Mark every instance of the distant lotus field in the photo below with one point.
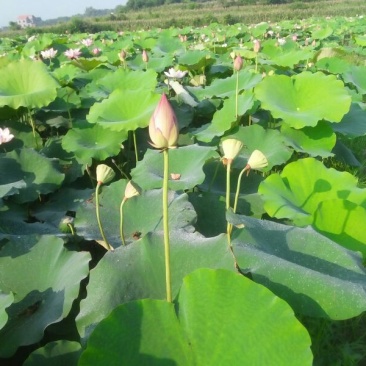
(190, 196)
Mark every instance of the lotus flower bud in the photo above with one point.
(145, 56)
(104, 174)
(257, 160)
(163, 126)
(131, 190)
(257, 45)
(122, 55)
(231, 148)
(238, 63)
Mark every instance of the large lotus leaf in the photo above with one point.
(316, 276)
(136, 222)
(138, 271)
(28, 84)
(334, 65)
(353, 124)
(224, 119)
(220, 318)
(223, 88)
(130, 80)
(287, 55)
(38, 172)
(296, 99)
(92, 141)
(322, 32)
(44, 278)
(6, 299)
(361, 40)
(315, 141)
(124, 110)
(187, 161)
(356, 75)
(346, 227)
(168, 44)
(196, 60)
(57, 353)
(297, 192)
(12, 181)
(158, 64)
(270, 142)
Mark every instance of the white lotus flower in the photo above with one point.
(175, 74)
(87, 42)
(49, 54)
(5, 135)
(72, 54)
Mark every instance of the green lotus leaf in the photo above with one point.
(287, 55)
(315, 141)
(92, 141)
(27, 84)
(196, 60)
(223, 88)
(124, 110)
(270, 142)
(316, 276)
(297, 192)
(38, 172)
(168, 44)
(224, 119)
(45, 279)
(360, 40)
(57, 353)
(296, 99)
(334, 65)
(346, 227)
(129, 80)
(138, 271)
(12, 181)
(255, 326)
(158, 64)
(353, 124)
(322, 32)
(6, 299)
(187, 161)
(356, 76)
(135, 219)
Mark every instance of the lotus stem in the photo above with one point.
(228, 226)
(121, 221)
(238, 188)
(236, 96)
(135, 146)
(106, 244)
(166, 227)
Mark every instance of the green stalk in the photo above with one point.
(236, 96)
(228, 226)
(107, 245)
(121, 221)
(166, 227)
(135, 146)
(238, 189)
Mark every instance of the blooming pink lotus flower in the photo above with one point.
(163, 126)
(87, 42)
(96, 51)
(73, 54)
(5, 135)
(49, 54)
(175, 74)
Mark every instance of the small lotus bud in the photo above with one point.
(65, 224)
(163, 126)
(257, 45)
(238, 63)
(104, 174)
(132, 189)
(122, 55)
(231, 148)
(257, 160)
(145, 56)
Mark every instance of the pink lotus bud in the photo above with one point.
(122, 55)
(96, 51)
(5, 135)
(257, 45)
(238, 63)
(145, 56)
(163, 126)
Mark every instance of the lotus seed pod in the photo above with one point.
(257, 160)
(104, 174)
(132, 189)
(231, 148)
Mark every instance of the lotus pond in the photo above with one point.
(239, 240)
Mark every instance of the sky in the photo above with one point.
(50, 9)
